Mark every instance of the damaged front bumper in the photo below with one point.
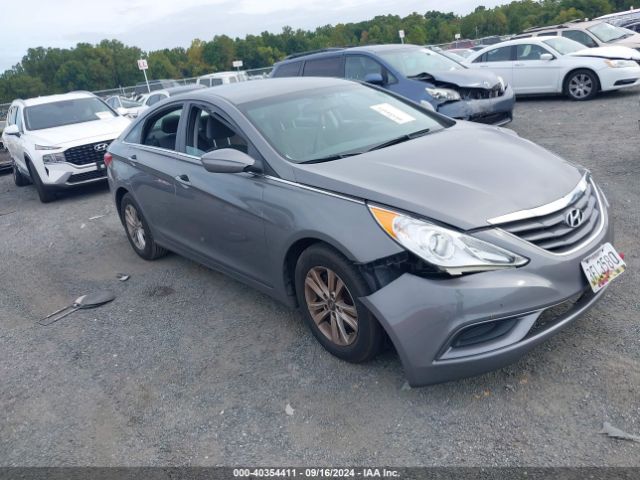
(495, 111)
(452, 327)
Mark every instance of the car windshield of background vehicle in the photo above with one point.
(330, 123)
(67, 112)
(564, 46)
(608, 33)
(418, 61)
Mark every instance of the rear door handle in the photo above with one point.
(133, 157)
(183, 179)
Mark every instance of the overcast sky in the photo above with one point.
(154, 24)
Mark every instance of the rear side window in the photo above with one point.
(161, 130)
(291, 69)
(324, 67)
(502, 54)
(580, 37)
(552, 33)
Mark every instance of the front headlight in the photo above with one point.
(443, 94)
(447, 249)
(54, 158)
(620, 63)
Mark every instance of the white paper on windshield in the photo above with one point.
(103, 115)
(393, 113)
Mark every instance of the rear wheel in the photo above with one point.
(581, 85)
(138, 231)
(45, 192)
(328, 287)
(18, 178)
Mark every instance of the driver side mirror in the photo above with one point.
(374, 79)
(547, 57)
(227, 160)
(12, 130)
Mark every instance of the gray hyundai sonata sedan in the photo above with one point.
(462, 245)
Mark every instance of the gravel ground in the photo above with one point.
(188, 367)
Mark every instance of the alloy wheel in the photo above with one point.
(331, 306)
(135, 227)
(580, 86)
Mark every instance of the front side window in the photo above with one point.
(580, 37)
(323, 67)
(207, 132)
(331, 122)
(357, 67)
(414, 62)
(529, 52)
(161, 130)
(66, 112)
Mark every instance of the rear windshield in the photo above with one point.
(66, 112)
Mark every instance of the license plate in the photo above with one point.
(602, 266)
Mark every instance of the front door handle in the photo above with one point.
(133, 157)
(183, 179)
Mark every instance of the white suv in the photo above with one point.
(59, 141)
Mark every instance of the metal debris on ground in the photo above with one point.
(91, 300)
(96, 217)
(123, 277)
(613, 432)
(289, 410)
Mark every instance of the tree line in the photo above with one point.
(110, 63)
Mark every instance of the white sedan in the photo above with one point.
(559, 65)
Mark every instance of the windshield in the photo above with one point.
(66, 112)
(330, 122)
(563, 45)
(607, 32)
(412, 62)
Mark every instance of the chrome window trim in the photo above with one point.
(582, 244)
(547, 209)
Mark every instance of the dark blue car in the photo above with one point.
(417, 73)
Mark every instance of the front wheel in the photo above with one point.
(581, 85)
(328, 287)
(45, 192)
(18, 178)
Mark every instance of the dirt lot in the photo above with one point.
(189, 367)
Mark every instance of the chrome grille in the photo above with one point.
(85, 154)
(551, 232)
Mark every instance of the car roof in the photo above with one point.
(243, 92)
(55, 98)
(562, 26)
(178, 90)
(333, 51)
(222, 74)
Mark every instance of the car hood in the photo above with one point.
(466, 78)
(461, 176)
(613, 52)
(87, 132)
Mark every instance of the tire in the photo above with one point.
(339, 321)
(18, 178)
(137, 230)
(45, 193)
(581, 85)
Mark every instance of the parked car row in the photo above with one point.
(479, 244)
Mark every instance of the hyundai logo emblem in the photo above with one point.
(574, 218)
(101, 147)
